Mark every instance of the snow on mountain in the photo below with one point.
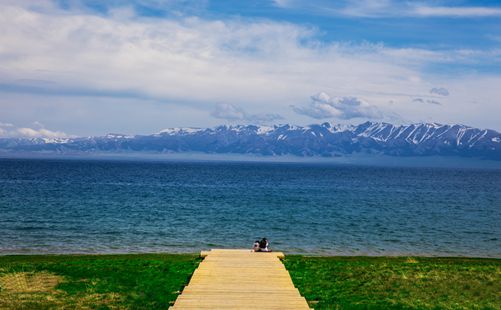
(55, 140)
(179, 131)
(118, 136)
(422, 139)
(263, 130)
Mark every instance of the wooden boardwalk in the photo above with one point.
(240, 279)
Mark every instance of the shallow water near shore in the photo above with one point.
(77, 206)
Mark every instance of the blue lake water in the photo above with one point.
(72, 206)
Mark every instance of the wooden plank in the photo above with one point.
(240, 279)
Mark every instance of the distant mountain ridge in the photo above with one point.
(328, 140)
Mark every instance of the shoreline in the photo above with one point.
(355, 160)
(307, 255)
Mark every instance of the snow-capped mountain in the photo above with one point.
(325, 139)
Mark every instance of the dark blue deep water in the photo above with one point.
(70, 206)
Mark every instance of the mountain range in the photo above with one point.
(326, 140)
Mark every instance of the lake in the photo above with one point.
(94, 206)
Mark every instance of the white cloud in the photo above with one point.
(368, 8)
(395, 8)
(166, 58)
(324, 106)
(282, 3)
(40, 133)
(441, 91)
(494, 38)
(187, 65)
(230, 112)
(450, 11)
(422, 100)
(6, 125)
(8, 130)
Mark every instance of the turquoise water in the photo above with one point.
(70, 206)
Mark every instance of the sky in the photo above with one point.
(90, 67)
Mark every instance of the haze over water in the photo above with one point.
(71, 206)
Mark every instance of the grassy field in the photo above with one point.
(153, 281)
(397, 282)
(144, 281)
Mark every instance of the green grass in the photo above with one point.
(142, 281)
(397, 282)
(153, 281)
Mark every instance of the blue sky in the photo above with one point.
(88, 67)
(393, 29)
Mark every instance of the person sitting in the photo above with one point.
(264, 245)
(255, 247)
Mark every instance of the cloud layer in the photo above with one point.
(97, 68)
(323, 106)
(8, 130)
(232, 113)
(439, 91)
(422, 100)
(393, 8)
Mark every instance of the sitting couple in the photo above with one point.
(261, 246)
